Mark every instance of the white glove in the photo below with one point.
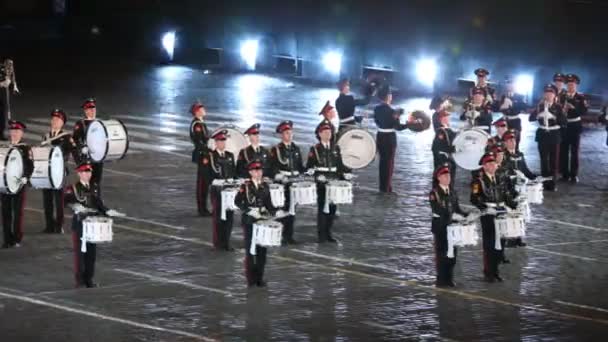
(84, 150)
(217, 182)
(23, 180)
(5, 83)
(279, 177)
(507, 104)
(348, 176)
(255, 213)
(310, 172)
(490, 211)
(457, 217)
(280, 213)
(508, 209)
(321, 179)
(114, 213)
(78, 208)
(16, 90)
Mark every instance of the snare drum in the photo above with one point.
(534, 193)
(107, 140)
(460, 235)
(96, 229)
(357, 147)
(266, 234)
(338, 192)
(277, 195)
(49, 169)
(228, 196)
(304, 193)
(509, 226)
(11, 170)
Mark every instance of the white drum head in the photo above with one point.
(470, 146)
(56, 168)
(13, 170)
(235, 142)
(358, 148)
(97, 140)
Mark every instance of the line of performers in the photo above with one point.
(84, 196)
(558, 115)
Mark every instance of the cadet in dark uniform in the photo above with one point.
(254, 201)
(13, 204)
(478, 112)
(445, 207)
(550, 119)
(81, 152)
(387, 120)
(199, 135)
(442, 145)
(505, 184)
(346, 103)
(574, 106)
(53, 198)
(486, 195)
(286, 160)
(439, 105)
(482, 82)
(500, 125)
(558, 85)
(511, 104)
(85, 201)
(326, 160)
(253, 152)
(222, 166)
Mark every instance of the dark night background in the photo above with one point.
(534, 36)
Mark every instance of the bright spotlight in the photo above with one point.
(249, 53)
(333, 62)
(523, 84)
(169, 43)
(426, 71)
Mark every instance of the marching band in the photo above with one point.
(268, 184)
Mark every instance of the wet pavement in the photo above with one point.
(161, 280)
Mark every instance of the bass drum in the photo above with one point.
(470, 146)
(357, 146)
(107, 140)
(11, 170)
(49, 169)
(235, 142)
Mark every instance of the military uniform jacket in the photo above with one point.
(327, 161)
(550, 119)
(580, 104)
(252, 197)
(222, 167)
(387, 118)
(199, 135)
(486, 193)
(442, 144)
(485, 114)
(286, 159)
(248, 154)
(516, 161)
(490, 92)
(86, 195)
(80, 132)
(64, 142)
(443, 205)
(345, 105)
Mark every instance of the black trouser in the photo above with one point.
(289, 220)
(12, 217)
(84, 263)
(53, 209)
(387, 144)
(549, 160)
(3, 109)
(202, 188)
(443, 265)
(222, 229)
(254, 264)
(324, 220)
(569, 150)
(491, 256)
(96, 174)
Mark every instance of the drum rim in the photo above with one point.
(458, 138)
(54, 186)
(6, 158)
(341, 134)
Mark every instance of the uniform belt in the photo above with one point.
(289, 173)
(577, 119)
(435, 215)
(512, 117)
(326, 169)
(386, 130)
(348, 119)
(550, 128)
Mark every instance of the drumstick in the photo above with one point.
(48, 141)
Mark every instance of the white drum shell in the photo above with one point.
(235, 142)
(11, 170)
(339, 192)
(277, 195)
(302, 193)
(357, 146)
(97, 229)
(49, 168)
(107, 140)
(534, 193)
(460, 235)
(228, 204)
(266, 234)
(470, 145)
